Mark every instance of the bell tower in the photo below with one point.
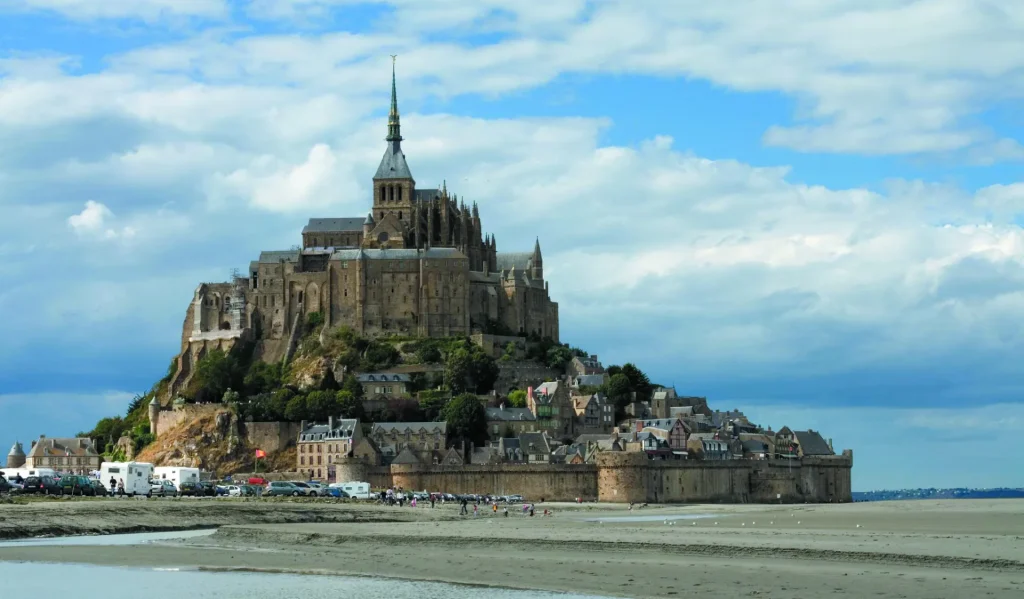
(393, 184)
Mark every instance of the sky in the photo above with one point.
(811, 211)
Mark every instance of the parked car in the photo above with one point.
(44, 485)
(72, 484)
(208, 489)
(320, 488)
(190, 489)
(280, 487)
(220, 490)
(98, 488)
(162, 488)
(5, 487)
(305, 488)
(335, 492)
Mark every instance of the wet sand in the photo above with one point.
(901, 550)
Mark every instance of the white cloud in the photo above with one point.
(94, 221)
(147, 10)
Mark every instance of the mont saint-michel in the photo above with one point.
(400, 350)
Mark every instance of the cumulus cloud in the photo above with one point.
(94, 221)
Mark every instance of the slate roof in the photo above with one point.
(16, 451)
(592, 438)
(414, 427)
(519, 260)
(539, 442)
(332, 225)
(406, 456)
(509, 414)
(382, 377)
(753, 446)
(812, 443)
(62, 446)
(426, 195)
(590, 380)
(397, 254)
(545, 391)
(344, 428)
(393, 164)
(273, 257)
(660, 423)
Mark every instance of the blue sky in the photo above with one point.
(810, 211)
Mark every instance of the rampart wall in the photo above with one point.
(621, 477)
(271, 436)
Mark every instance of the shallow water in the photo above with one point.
(651, 518)
(127, 539)
(103, 582)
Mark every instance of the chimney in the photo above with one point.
(302, 425)
(830, 443)
(502, 406)
(330, 423)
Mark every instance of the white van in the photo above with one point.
(176, 475)
(12, 473)
(135, 475)
(357, 490)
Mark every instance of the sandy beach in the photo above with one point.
(911, 549)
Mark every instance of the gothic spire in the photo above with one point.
(394, 127)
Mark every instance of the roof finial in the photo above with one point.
(394, 127)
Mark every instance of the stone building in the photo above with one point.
(595, 414)
(550, 402)
(16, 456)
(418, 264)
(75, 455)
(320, 446)
(392, 437)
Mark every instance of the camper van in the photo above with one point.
(176, 475)
(12, 473)
(354, 489)
(135, 475)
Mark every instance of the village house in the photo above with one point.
(388, 384)
(587, 380)
(392, 437)
(786, 445)
(707, 446)
(594, 413)
(758, 446)
(75, 455)
(509, 450)
(664, 399)
(673, 431)
(550, 401)
(587, 365)
(536, 447)
(504, 422)
(322, 445)
(811, 443)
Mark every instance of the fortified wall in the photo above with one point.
(621, 477)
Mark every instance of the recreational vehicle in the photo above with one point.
(135, 475)
(176, 475)
(357, 490)
(12, 473)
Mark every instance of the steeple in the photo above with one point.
(394, 126)
(537, 262)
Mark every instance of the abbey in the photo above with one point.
(417, 264)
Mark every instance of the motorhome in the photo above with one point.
(12, 473)
(176, 474)
(135, 475)
(358, 490)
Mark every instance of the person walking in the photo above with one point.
(476, 509)
(431, 501)
(463, 511)
(113, 486)
(120, 488)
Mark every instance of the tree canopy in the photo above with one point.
(466, 419)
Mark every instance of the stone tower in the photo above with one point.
(393, 185)
(16, 457)
(154, 416)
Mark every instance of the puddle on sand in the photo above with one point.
(651, 518)
(127, 539)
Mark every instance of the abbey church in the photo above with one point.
(417, 264)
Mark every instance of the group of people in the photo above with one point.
(117, 487)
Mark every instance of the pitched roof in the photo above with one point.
(393, 164)
(16, 451)
(273, 257)
(534, 443)
(62, 446)
(412, 427)
(811, 443)
(426, 195)
(331, 225)
(382, 377)
(509, 414)
(590, 380)
(517, 260)
(344, 428)
(406, 456)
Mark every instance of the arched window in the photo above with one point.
(399, 194)
(382, 214)
(300, 297)
(399, 212)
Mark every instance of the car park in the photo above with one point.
(305, 488)
(280, 487)
(162, 488)
(42, 485)
(72, 484)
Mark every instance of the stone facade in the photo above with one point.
(621, 477)
(418, 264)
(74, 455)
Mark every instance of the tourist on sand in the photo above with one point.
(531, 511)
(120, 487)
(431, 501)
(505, 509)
(413, 502)
(113, 485)
(494, 507)
(463, 511)
(476, 509)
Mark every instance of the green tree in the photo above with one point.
(468, 369)
(618, 390)
(466, 419)
(379, 355)
(557, 357)
(432, 404)
(613, 370)
(348, 406)
(314, 320)
(351, 384)
(510, 352)
(296, 409)
(216, 372)
(517, 398)
(638, 381)
(278, 404)
(262, 377)
(320, 405)
(231, 398)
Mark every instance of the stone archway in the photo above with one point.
(312, 298)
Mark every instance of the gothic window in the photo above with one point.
(399, 199)
(300, 297)
(382, 237)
